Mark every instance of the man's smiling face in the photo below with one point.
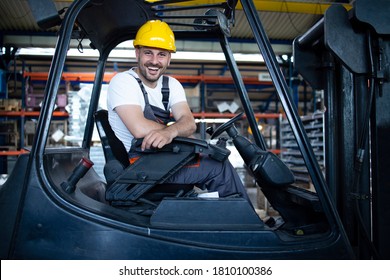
(152, 63)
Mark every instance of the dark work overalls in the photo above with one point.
(205, 172)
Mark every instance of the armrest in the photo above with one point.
(156, 165)
(136, 144)
(180, 144)
(192, 141)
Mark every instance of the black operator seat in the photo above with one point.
(113, 148)
(127, 183)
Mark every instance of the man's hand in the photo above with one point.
(157, 139)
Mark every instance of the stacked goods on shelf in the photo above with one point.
(77, 109)
(290, 154)
(58, 130)
(10, 105)
(9, 135)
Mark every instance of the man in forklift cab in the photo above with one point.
(140, 101)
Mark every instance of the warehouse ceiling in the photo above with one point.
(282, 20)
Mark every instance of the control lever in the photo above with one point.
(81, 169)
(210, 130)
(221, 141)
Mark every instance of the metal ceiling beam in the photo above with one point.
(268, 5)
(276, 6)
(293, 7)
(30, 41)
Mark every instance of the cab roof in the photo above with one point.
(108, 23)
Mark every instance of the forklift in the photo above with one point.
(55, 206)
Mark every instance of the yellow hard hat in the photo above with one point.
(155, 34)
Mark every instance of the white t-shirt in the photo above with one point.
(125, 90)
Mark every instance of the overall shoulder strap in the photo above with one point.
(152, 112)
(145, 93)
(165, 91)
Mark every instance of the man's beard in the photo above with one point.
(145, 72)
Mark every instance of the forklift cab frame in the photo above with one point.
(42, 221)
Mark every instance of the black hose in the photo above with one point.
(360, 155)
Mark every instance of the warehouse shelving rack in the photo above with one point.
(89, 77)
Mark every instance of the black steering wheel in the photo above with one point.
(226, 125)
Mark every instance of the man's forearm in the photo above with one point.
(184, 127)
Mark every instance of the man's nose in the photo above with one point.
(155, 59)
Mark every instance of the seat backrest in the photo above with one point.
(113, 148)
